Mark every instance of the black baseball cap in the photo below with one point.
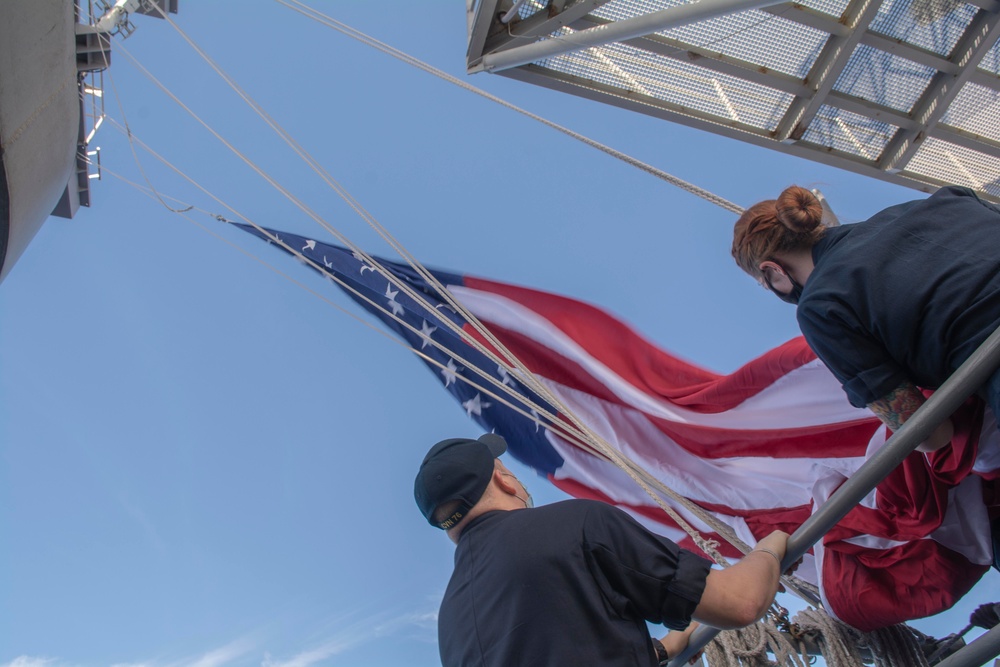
(456, 469)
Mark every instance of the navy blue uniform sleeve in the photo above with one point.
(642, 574)
(859, 361)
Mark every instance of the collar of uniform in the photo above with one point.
(477, 521)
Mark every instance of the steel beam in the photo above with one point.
(540, 24)
(616, 32)
(810, 18)
(826, 70)
(587, 89)
(479, 29)
(708, 59)
(970, 140)
(986, 79)
(977, 652)
(715, 62)
(967, 379)
(978, 39)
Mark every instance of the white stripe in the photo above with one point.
(807, 396)
(603, 476)
(596, 473)
(743, 483)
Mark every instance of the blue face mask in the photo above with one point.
(793, 296)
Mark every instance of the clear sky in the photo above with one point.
(204, 464)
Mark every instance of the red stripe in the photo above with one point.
(646, 366)
(913, 499)
(916, 579)
(846, 439)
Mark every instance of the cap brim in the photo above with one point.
(495, 443)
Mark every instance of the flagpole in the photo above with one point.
(963, 383)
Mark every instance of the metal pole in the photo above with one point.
(616, 32)
(977, 652)
(967, 379)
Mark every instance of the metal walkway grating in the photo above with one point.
(903, 90)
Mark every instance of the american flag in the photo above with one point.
(758, 448)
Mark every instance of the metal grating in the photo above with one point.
(961, 165)
(675, 83)
(975, 110)
(902, 90)
(849, 133)
(835, 8)
(764, 39)
(883, 78)
(935, 25)
(991, 61)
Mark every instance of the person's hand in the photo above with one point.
(677, 640)
(939, 437)
(776, 541)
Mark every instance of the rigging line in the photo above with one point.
(553, 419)
(358, 208)
(460, 332)
(539, 410)
(585, 434)
(617, 457)
(298, 148)
(128, 131)
(540, 415)
(412, 260)
(305, 10)
(585, 437)
(301, 205)
(339, 189)
(574, 437)
(527, 376)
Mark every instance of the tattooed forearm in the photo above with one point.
(898, 405)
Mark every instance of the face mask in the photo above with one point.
(793, 296)
(529, 502)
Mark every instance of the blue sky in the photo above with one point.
(204, 463)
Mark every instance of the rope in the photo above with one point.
(750, 646)
(344, 29)
(838, 642)
(128, 134)
(894, 646)
(581, 435)
(540, 411)
(578, 433)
